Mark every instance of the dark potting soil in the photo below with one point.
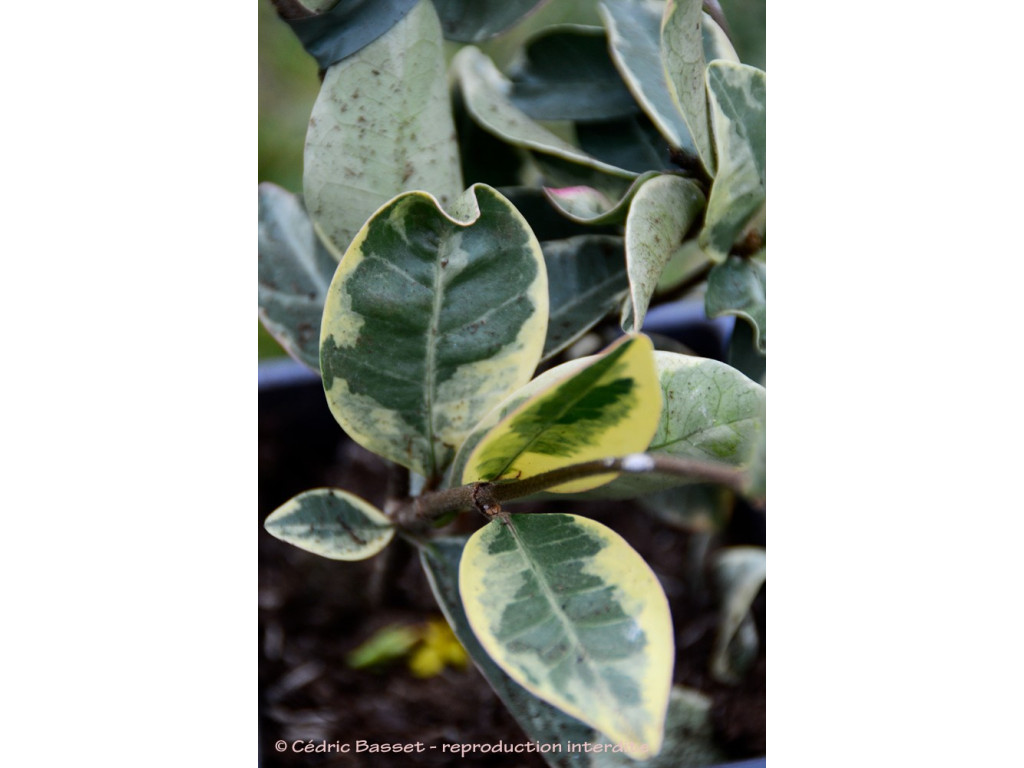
(314, 611)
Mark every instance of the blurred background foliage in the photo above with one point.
(288, 85)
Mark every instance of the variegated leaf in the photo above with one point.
(586, 205)
(295, 270)
(586, 281)
(737, 198)
(544, 381)
(573, 614)
(711, 412)
(661, 215)
(566, 74)
(487, 94)
(737, 287)
(634, 34)
(381, 125)
(682, 57)
(686, 262)
(609, 407)
(331, 523)
(540, 721)
(431, 320)
(739, 572)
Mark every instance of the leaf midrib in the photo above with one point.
(558, 612)
(562, 412)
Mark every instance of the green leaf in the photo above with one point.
(738, 192)
(634, 32)
(553, 171)
(661, 215)
(381, 125)
(586, 205)
(331, 523)
(685, 263)
(743, 354)
(472, 21)
(430, 321)
(736, 287)
(343, 27)
(609, 407)
(487, 94)
(573, 614)
(711, 413)
(739, 572)
(586, 281)
(630, 142)
(547, 219)
(682, 56)
(541, 722)
(541, 383)
(295, 270)
(566, 74)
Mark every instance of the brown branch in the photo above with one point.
(419, 513)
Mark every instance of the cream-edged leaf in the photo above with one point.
(737, 287)
(487, 94)
(609, 407)
(740, 573)
(682, 57)
(586, 205)
(736, 203)
(542, 722)
(573, 614)
(634, 35)
(430, 321)
(711, 412)
(544, 381)
(662, 213)
(295, 269)
(331, 523)
(381, 125)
